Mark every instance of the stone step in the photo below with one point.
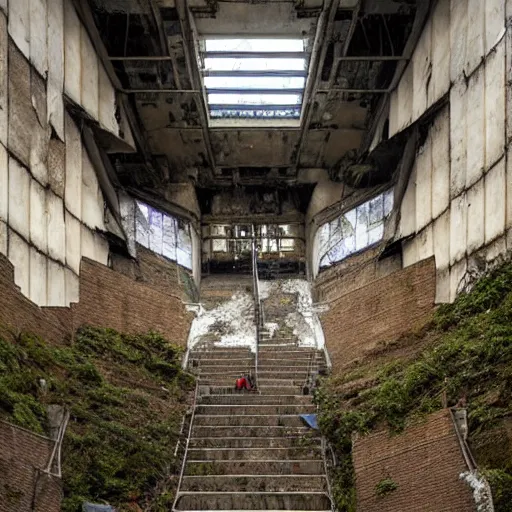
(289, 363)
(229, 381)
(217, 353)
(249, 421)
(255, 409)
(280, 390)
(254, 442)
(244, 483)
(284, 349)
(221, 362)
(252, 501)
(293, 353)
(252, 467)
(246, 431)
(311, 453)
(255, 399)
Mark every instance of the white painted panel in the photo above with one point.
(38, 36)
(424, 185)
(3, 238)
(495, 197)
(72, 287)
(3, 6)
(458, 138)
(101, 249)
(38, 277)
(72, 53)
(425, 241)
(476, 35)
(4, 82)
(408, 207)
(494, 22)
(422, 72)
(440, 51)
(458, 228)
(107, 102)
(495, 105)
(457, 275)
(441, 237)
(394, 105)
(73, 243)
(458, 37)
(19, 25)
(4, 183)
(440, 135)
(87, 243)
(56, 284)
(509, 188)
(19, 256)
(56, 228)
(90, 79)
(92, 199)
(39, 147)
(406, 97)
(38, 217)
(496, 249)
(410, 252)
(476, 128)
(56, 66)
(476, 216)
(73, 191)
(442, 286)
(19, 198)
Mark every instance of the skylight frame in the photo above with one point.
(272, 85)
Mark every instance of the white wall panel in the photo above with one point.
(19, 198)
(494, 22)
(3, 238)
(495, 105)
(38, 277)
(440, 136)
(425, 243)
(442, 286)
(424, 185)
(19, 25)
(509, 188)
(19, 256)
(476, 35)
(495, 201)
(38, 36)
(476, 216)
(72, 53)
(410, 252)
(73, 243)
(440, 51)
(38, 217)
(475, 128)
(458, 37)
(56, 228)
(90, 79)
(56, 284)
(92, 199)
(458, 138)
(107, 102)
(4, 82)
(73, 192)
(458, 228)
(441, 235)
(408, 207)
(56, 66)
(72, 287)
(457, 274)
(422, 70)
(4, 183)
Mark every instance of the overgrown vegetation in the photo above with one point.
(469, 361)
(126, 395)
(385, 487)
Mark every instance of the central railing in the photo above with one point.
(258, 309)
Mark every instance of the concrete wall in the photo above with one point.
(51, 206)
(425, 462)
(457, 203)
(23, 458)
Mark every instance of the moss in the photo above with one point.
(119, 446)
(385, 486)
(471, 360)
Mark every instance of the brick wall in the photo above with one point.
(107, 299)
(380, 311)
(425, 462)
(23, 485)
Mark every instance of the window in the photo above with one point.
(254, 78)
(163, 234)
(355, 230)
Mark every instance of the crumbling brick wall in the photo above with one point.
(23, 484)
(380, 311)
(107, 299)
(425, 462)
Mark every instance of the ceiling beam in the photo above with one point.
(256, 73)
(252, 91)
(254, 55)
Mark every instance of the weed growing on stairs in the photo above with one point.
(469, 360)
(385, 486)
(127, 395)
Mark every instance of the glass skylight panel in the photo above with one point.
(254, 77)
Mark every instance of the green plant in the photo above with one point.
(385, 487)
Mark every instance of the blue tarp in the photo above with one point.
(91, 507)
(311, 420)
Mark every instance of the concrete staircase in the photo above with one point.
(251, 450)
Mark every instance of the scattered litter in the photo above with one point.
(311, 420)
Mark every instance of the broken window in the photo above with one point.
(254, 77)
(163, 234)
(355, 230)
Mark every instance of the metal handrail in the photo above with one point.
(257, 306)
(185, 455)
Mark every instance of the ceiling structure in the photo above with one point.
(355, 51)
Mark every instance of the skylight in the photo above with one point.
(254, 78)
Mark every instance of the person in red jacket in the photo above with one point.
(243, 382)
